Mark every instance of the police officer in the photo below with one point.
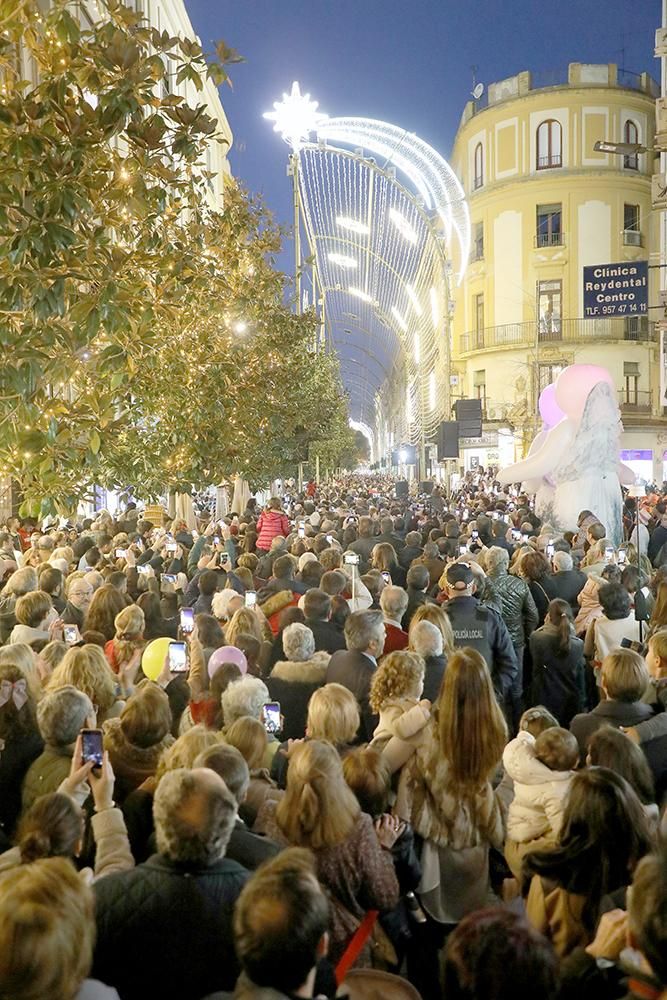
(479, 627)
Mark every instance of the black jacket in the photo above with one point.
(328, 637)
(482, 628)
(433, 675)
(656, 542)
(293, 684)
(566, 585)
(558, 681)
(165, 930)
(608, 713)
(250, 849)
(408, 554)
(355, 671)
(416, 599)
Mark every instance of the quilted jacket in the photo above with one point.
(165, 929)
(518, 607)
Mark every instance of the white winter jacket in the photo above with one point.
(539, 792)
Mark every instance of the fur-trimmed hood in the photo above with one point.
(271, 604)
(311, 671)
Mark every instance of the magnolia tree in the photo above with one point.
(144, 335)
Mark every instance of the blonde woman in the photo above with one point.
(319, 811)
(248, 736)
(445, 793)
(21, 655)
(128, 644)
(86, 668)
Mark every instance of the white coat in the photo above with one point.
(539, 792)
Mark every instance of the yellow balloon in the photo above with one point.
(152, 660)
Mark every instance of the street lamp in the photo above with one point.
(621, 148)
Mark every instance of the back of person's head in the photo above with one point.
(32, 608)
(437, 616)
(280, 922)
(537, 720)
(194, 815)
(244, 697)
(562, 561)
(61, 714)
(394, 602)
(52, 827)
(21, 582)
(50, 579)
(87, 669)
(413, 540)
(283, 568)
(47, 931)
(248, 736)
(497, 560)
(399, 675)
(596, 532)
(534, 565)
(333, 715)
(146, 718)
(557, 749)
(298, 642)
(368, 774)
(425, 639)
(418, 577)
(183, 751)
(609, 747)
(624, 675)
(318, 808)
(363, 629)
(129, 623)
(365, 527)
(229, 764)
(614, 600)
(333, 582)
(209, 582)
(559, 614)
(632, 579)
(647, 911)
(317, 605)
(495, 954)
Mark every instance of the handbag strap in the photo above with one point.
(355, 946)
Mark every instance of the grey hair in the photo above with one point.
(426, 639)
(199, 836)
(431, 550)
(298, 642)
(562, 561)
(362, 628)
(394, 602)
(497, 559)
(22, 581)
(61, 715)
(244, 697)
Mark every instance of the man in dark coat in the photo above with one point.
(317, 609)
(164, 929)
(418, 581)
(355, 666)
(566, 582)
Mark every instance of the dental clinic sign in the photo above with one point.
(616, 289)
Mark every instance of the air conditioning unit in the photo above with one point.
(659, 192)
(631, 238)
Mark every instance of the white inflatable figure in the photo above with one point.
(580, 454)
(551, 414)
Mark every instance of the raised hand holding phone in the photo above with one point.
(102, 783)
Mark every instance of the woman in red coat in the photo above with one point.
(272, 522)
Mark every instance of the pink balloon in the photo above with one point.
(575, 383)
(227, 654)
(550, 411)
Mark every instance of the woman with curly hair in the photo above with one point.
(396, 690)
(107, 602)
(129, 642)
(86, 668)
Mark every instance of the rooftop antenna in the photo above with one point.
(477, 88)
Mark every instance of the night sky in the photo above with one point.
(408, 62)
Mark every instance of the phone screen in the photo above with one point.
(71, 634)
(92, 747)
(169, 578)
(329, 538)
(386, 577)
(609, 553)
(271, 717)
(250, 598)
(351, 558)
(216, 539)
(187, 619)
(178, 658)
(171, 546)
(463, 550)
(121, 553)
(474, 534)
(516, 535)
(622, 556)
(144, 570)
(550, 549)
(301, 531)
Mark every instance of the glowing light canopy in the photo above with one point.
(382, 205)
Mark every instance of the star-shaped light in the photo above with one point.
(295, 116)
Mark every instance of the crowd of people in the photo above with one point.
(362, 739)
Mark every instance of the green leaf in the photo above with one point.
(95, 442)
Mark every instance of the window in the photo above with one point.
(549, 226)
(549, 144)
(478, 242)
(631, 383)
(478, 178)
(549, 373)
(631, 134)
(479, 388)
(549, 309)
(631, 228)
(478, 307)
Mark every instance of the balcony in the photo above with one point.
(548, 162)
(549, 240)
(632, 238)
(634, 401)
(570, 331)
